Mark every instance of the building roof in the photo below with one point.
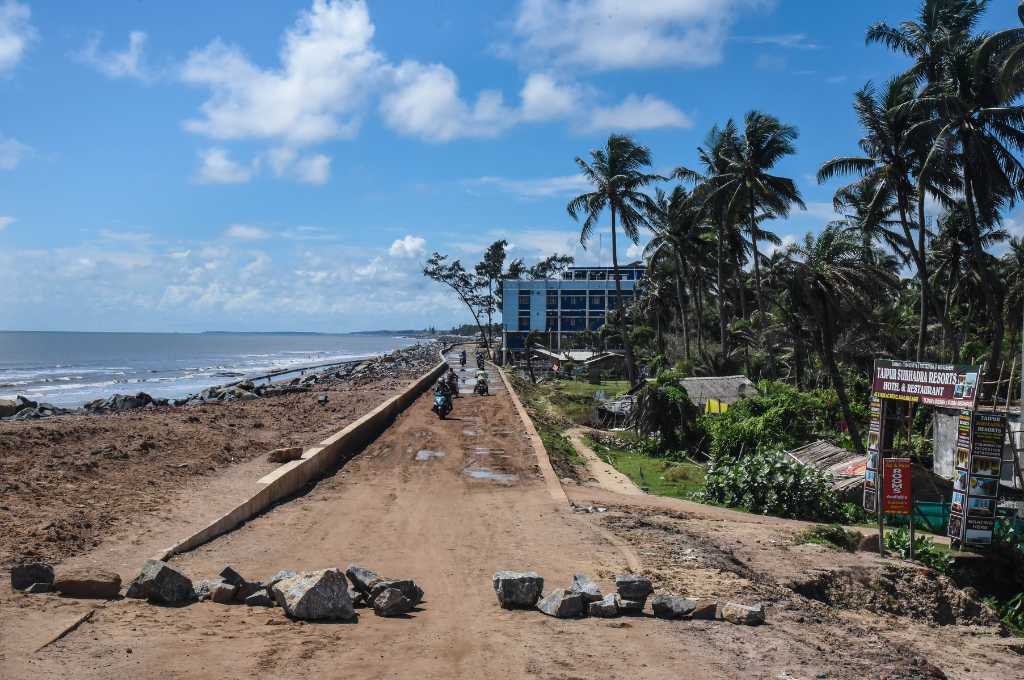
(846, 467)
(727, 389)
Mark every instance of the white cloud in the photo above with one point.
(309, 168)
(543, 187)
(610, 34)
(113, 64)
(12, 152)
(799, 41)
(544, 98)
(410, 246)
(5, 221)
(16, 32)
(823, 211)
(327, 67)
(787, 240)
(217, 167)
(246, 232)
(638, 113)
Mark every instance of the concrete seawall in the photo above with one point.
(316, 461)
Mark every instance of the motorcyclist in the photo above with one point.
(453, 383)
(480, 360)
(462, 358)
(481, 383)
(441, 387)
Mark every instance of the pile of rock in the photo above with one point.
(312, 595)
(23, 408)
(524, 590)
(123, 402)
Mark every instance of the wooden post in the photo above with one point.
(911, 515)
(1009, 385)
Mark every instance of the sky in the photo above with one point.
(246, 166)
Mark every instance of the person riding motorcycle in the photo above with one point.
(453, 383)
(481, 387)
(480, 360)
(442, 398)
(462, 358)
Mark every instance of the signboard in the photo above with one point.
(872, 466)
(979, 454)
(896, 486)
(945, 385)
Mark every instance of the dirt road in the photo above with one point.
(450, 502)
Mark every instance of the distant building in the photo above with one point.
(559, 308)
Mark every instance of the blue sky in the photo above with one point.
(288, 165)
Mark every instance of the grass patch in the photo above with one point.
(832, 535)
(550, 426)
(653, 475)
(572, 400)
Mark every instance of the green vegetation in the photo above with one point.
(654, 475)
(926, 551)
(770, 483)
(833, 535)
(551, 423)
(663, 406)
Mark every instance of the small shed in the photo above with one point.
(846, 467)
(714, 394)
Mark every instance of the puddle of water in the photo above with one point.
(470, 433)
(427, 454)
(480, 473)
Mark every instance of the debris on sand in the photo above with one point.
(26, 575)
(634, 590)
(742, 614)
(562, 604)
(672, 607)
(605, 608)
(518, 589)
(585, 586)
(161, 583)
(87, 583)
(391, 602)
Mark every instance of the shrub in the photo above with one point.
(832, 534)
(897, 541)
(664, 407)
(770, 483)
(779, 417)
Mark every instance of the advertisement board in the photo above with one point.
(872, 466)
(945, 385)
(978, 461)
(896, 486)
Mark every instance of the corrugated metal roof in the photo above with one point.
(846, 467)
(727, 389)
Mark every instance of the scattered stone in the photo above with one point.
(88, 583)
(223, 592)
(229, 575)
(585, 586)
(672, 607)
(285, 455)
(119, 402)
(358, 598)
(24, 575)
(743, 615)
(248, 588)
(8, 407)
(605, 608)
(705, 609)
(279, 576)
(391, 602)
(407, 587)
(260, 598)
(201, 590)
(631, 607)
(161, 583)
(634, 590)
(516, 589)
(562, 604)
(315, 595)
(39, 588)
(362, 579)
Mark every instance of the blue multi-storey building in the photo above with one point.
(579, 300)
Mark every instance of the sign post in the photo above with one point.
(897, 492)
(979, 459)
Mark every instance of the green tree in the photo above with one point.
(617, 173)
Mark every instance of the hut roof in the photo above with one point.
(846, 467)
(727, 389)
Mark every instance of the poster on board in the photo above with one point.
(872, 467)
(976, 482)
(896, 486)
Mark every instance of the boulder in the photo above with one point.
(248, 588)
(39, 588)
(315, 595)
(200, 591)
(633, 587)
(391, 602)
(358, 598)
(705, 609)
(672, 607)
(24, 575)
(223, 592)
(407, 587)
(88, 583)
(261, 598)
(285, 455)
(631, 607)
(562, 604)
(8, 407)
(362, 579)
(518, 589)
(229, 575)
(743, 615)
(585, 586)
(605, 608)
(161, 583)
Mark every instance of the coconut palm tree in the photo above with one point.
(617, 173)
(831, 284)
(745, 180)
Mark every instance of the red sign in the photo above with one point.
(896, 496)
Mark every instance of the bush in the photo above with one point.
(779, 417)
(832, 534)
(897, 541)
(664, 407)
(770, 483)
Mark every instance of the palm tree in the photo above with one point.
(750, 188)
(830, 283)
(617, 174)
(853, 204)
(891, 152)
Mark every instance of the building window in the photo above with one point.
(552, 301)
(597, 300)
(524, 300)
(524, 323)
(598, 275)
(551, 323)
(574, 299)
(571, 324)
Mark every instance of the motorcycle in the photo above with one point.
(480, 361)
(481, 387)
(442, 404)
(453, 385)
(462, 360)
